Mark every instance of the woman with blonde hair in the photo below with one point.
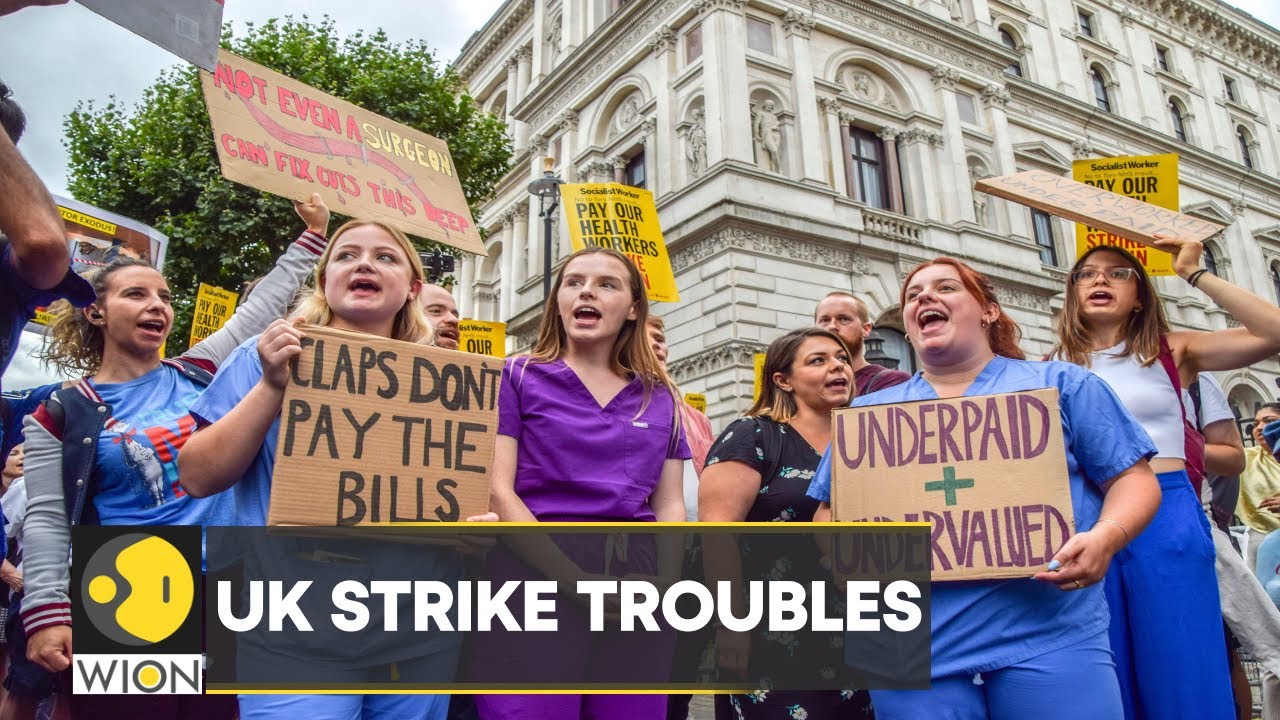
(1166, 620)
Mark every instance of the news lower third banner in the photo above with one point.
(494, 607)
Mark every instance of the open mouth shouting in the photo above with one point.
(838, 384)
(448, 333)
(931, 319)
(153, 328)
(586, 316)
(1100, 297)
(363, 287)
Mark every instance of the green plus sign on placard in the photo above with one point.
(949, 485)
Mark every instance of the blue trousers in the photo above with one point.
(345, 707)
(1072, 683)
(1166, 620)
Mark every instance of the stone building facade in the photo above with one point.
(794, 148)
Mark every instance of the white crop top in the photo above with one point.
(1148, 394)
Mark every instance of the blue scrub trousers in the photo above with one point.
(1166, 620)
(1071, 683)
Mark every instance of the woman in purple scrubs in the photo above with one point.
(588, 431)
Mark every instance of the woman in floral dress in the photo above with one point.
(758, 470)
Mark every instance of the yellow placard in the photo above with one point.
(623, 218)
(697, 401)
(758, 363)
(483, 338)
(214, 305)
(43, 317)
(80, 218)
(1149, 178)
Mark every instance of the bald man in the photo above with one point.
(442, 313)
(845, 315)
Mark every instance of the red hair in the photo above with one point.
(1002, 334)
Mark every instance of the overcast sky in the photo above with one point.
(53, 58)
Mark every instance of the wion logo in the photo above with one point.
(135, 598)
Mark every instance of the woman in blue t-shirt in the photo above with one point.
(137, 408)
(1006, 648)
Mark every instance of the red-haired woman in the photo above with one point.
(1166, 622)
(1004, 648)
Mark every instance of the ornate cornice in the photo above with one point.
(753, 241)
(708, 6)
(663, 40)
(492, 36)
(798, 23)
(1081, 148)
(569, 120)
(1217, 26)
(943, 76)
(997, 95)
(712, 360)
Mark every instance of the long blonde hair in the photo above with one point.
(1142, 330)
(632, 355)
(410, 322)
(75, 345)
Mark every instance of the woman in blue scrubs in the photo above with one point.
(1036, 646)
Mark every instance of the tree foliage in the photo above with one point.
(157, 162)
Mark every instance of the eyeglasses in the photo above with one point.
(1118, 275)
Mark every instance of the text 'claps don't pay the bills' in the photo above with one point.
(383, 431)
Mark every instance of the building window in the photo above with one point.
(869, 168)
(1178, 122)
(633, 173)
(1101, 96)
(1086, 23)
(1242, 138)
(968, 110)
(693, 44)
(1275, 280)
(1210, 260)
(1008, 40)
(760, 35)
(1162, 58)
(1229, 88)
(1042, 230)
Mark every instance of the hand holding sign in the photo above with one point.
(278, 345)
(314, 213)
(1186, 252)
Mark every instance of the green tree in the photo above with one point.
(157, 162)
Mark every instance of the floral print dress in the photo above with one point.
(784, 482)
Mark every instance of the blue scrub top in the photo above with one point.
(979, 626)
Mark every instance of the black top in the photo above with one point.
(785, 461)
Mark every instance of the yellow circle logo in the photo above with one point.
(137, 589)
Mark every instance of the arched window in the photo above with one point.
(1242, 137)
(1175, 117)
(1101, 97)
(1275, 280)
(1210, 259)
(1009, 41)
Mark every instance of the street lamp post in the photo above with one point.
(547, 190)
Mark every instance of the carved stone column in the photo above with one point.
(889, 137)
(724, 80)
(957, 205)
(835, 145)
(805, 143)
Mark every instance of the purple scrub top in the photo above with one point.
(578, 461)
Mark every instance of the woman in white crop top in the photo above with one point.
(1166, 621)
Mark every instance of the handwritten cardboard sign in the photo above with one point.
(989, 473)
(1149, 178)
(1116, 214)
(382, 431)
(277, 134)
(623, 218)
(486, 338)
(214, 306)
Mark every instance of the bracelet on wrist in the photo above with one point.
(1194, 277)
(1113, 522)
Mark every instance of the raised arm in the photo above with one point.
(1230, 349)
(31, 221)
(271, 298)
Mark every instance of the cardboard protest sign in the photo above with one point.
(623, 218)
(382, 431)
(989, 473)
(485, 338)
(214, 307)
(1149, 178)
(697, 401)
(277, 134)
(1114, 213)
(189, 29)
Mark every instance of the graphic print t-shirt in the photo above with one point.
(137, 464)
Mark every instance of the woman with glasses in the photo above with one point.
(1166, 621)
